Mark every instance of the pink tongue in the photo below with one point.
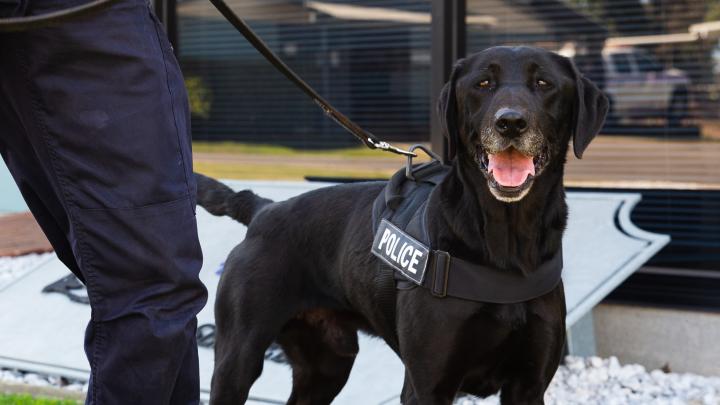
(510, 168)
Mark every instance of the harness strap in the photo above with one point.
(454, 277)
(402, 200)
(385, 297)
(448, 276)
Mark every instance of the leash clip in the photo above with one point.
(382, 145)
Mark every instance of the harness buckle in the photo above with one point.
(441, 273)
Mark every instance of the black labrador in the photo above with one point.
(304, 275)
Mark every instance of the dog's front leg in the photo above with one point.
(528, 385)
(425, 395)
(428, 348)
(407, 396)
(541, 347)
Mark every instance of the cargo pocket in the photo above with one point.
(142, 260)
(115, 143)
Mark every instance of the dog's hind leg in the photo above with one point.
(321, 350)
(255, 300)
(238, 363)
(407, 395)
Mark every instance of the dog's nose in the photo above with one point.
(511, 123)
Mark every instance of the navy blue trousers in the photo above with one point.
(94, 127)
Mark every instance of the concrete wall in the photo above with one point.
(687, 341)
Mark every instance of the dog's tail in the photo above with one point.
(219, 199)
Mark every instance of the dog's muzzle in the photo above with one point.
(510, 155)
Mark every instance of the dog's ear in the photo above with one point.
(447, 111)
(590, 111)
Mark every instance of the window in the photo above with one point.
(370, 59)
(621, 63)
(647, 64)
(662, 137)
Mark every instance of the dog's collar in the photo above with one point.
(402, 242)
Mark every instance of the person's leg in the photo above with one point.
(33, 183)
(101, 101)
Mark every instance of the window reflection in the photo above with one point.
(657, 61)
(371, 59)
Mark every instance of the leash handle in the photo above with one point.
(16, 24)
(367, 138)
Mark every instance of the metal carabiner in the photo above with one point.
(409, 170)
(382, 145)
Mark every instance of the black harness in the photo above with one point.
(403, 244)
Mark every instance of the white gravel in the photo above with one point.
(596, 381)
(12, 268)
(39, 380)
(586, 381)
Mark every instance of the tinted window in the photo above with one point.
(621, 62)
(370, 59)
(647, 64)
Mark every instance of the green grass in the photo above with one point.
(285, 168)
(280, 164)
(24, 399)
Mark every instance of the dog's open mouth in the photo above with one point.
(510, 173)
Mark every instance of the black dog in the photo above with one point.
(304, 275)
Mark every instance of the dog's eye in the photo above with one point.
(543, 84)
(484, 84)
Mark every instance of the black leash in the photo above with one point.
(44, 20)
(367, 138)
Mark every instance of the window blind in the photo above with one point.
(371, 59)
(659, 61)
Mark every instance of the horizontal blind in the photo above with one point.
(371, 59)
(659, 62)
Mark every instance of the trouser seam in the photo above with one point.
(172, 104)
(57, 173)
(98, 331)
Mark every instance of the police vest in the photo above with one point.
(402, 243)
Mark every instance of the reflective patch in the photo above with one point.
(401, 251)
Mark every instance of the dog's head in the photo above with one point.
(510, 112)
